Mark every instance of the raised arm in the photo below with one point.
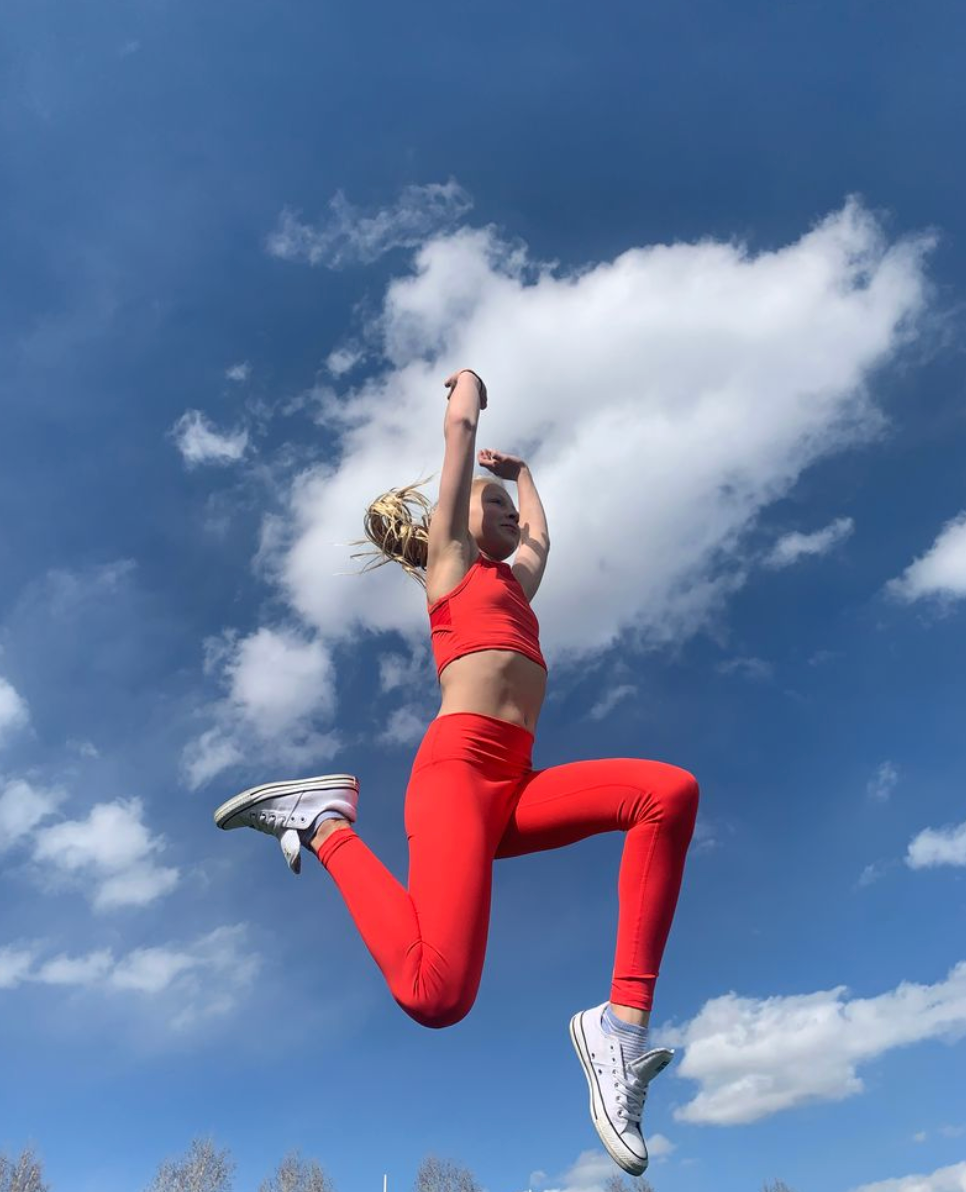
(450, 522)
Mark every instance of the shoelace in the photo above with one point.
(633, 1091)
(266, 821)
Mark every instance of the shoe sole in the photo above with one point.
(623, 1157)
(269, 790)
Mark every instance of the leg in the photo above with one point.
(429, 940)
(655, 805)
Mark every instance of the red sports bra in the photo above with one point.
(487, 610)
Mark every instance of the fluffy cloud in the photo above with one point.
(594, 378)
(239, 373)
(279, 685)
(15, 964)
(792, 547)
(945, 1179)
(592, 1170)
(110, 855)
(588, 1173)
(940, 572)
(200, 443)
(938, 846)
(753, 1057)
(13, 710)
(347, 236)
(23, 806)
(204, 977)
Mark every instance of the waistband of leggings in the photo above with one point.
(511, 738)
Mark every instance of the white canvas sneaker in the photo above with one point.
(284, 809)
(617, 1091)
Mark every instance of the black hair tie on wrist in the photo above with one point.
(472, 373)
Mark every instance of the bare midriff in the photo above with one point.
(499, 683)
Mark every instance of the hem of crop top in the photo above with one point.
(506, 649)
(480, 560)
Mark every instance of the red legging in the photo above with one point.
(473, 796)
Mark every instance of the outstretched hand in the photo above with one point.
(507, 467)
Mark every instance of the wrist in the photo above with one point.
(476, 376)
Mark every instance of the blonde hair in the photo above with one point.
(397, 524)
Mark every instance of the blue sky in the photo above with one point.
(711, 260)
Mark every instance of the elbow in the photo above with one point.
(457, 423)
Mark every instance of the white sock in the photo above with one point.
(306, 834)
(633, 1039)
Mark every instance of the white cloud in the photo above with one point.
(706, 835)
(110, 854)
(883, 782)
(593, 375)
(588, 1173)
(239, 372)
(343, 360)
(208, 754)
(278, 678)
(200, 443)
(749, 668)
(753, 1057)
(873, 871)
(940, 572)
(280, 683)
(659, 1146)
(405, 671)
(405, 727)
(945, 1179)
(792, 547)
(592, 1169)
(938, 846)
(76, 970)
(15, 965)
(22, 807)
(203, 977)
(85, 748)
(610, 699)
(348, 236)
(14, 714)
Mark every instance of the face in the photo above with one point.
(494, 521)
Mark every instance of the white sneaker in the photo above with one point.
(617, 1091)
(284, 809)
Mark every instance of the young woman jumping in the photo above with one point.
(474, 796)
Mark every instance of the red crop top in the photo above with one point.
(487, 610)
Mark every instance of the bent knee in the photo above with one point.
(670, 793)
(690, 792)
(685, 795)
(438, 1013)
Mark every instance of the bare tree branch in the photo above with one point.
(775, 1186)
(623, 1183)
(295, 1175)
(23, 1174)
(202, 1169)
(441, 1175)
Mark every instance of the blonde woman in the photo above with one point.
(474, 796)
